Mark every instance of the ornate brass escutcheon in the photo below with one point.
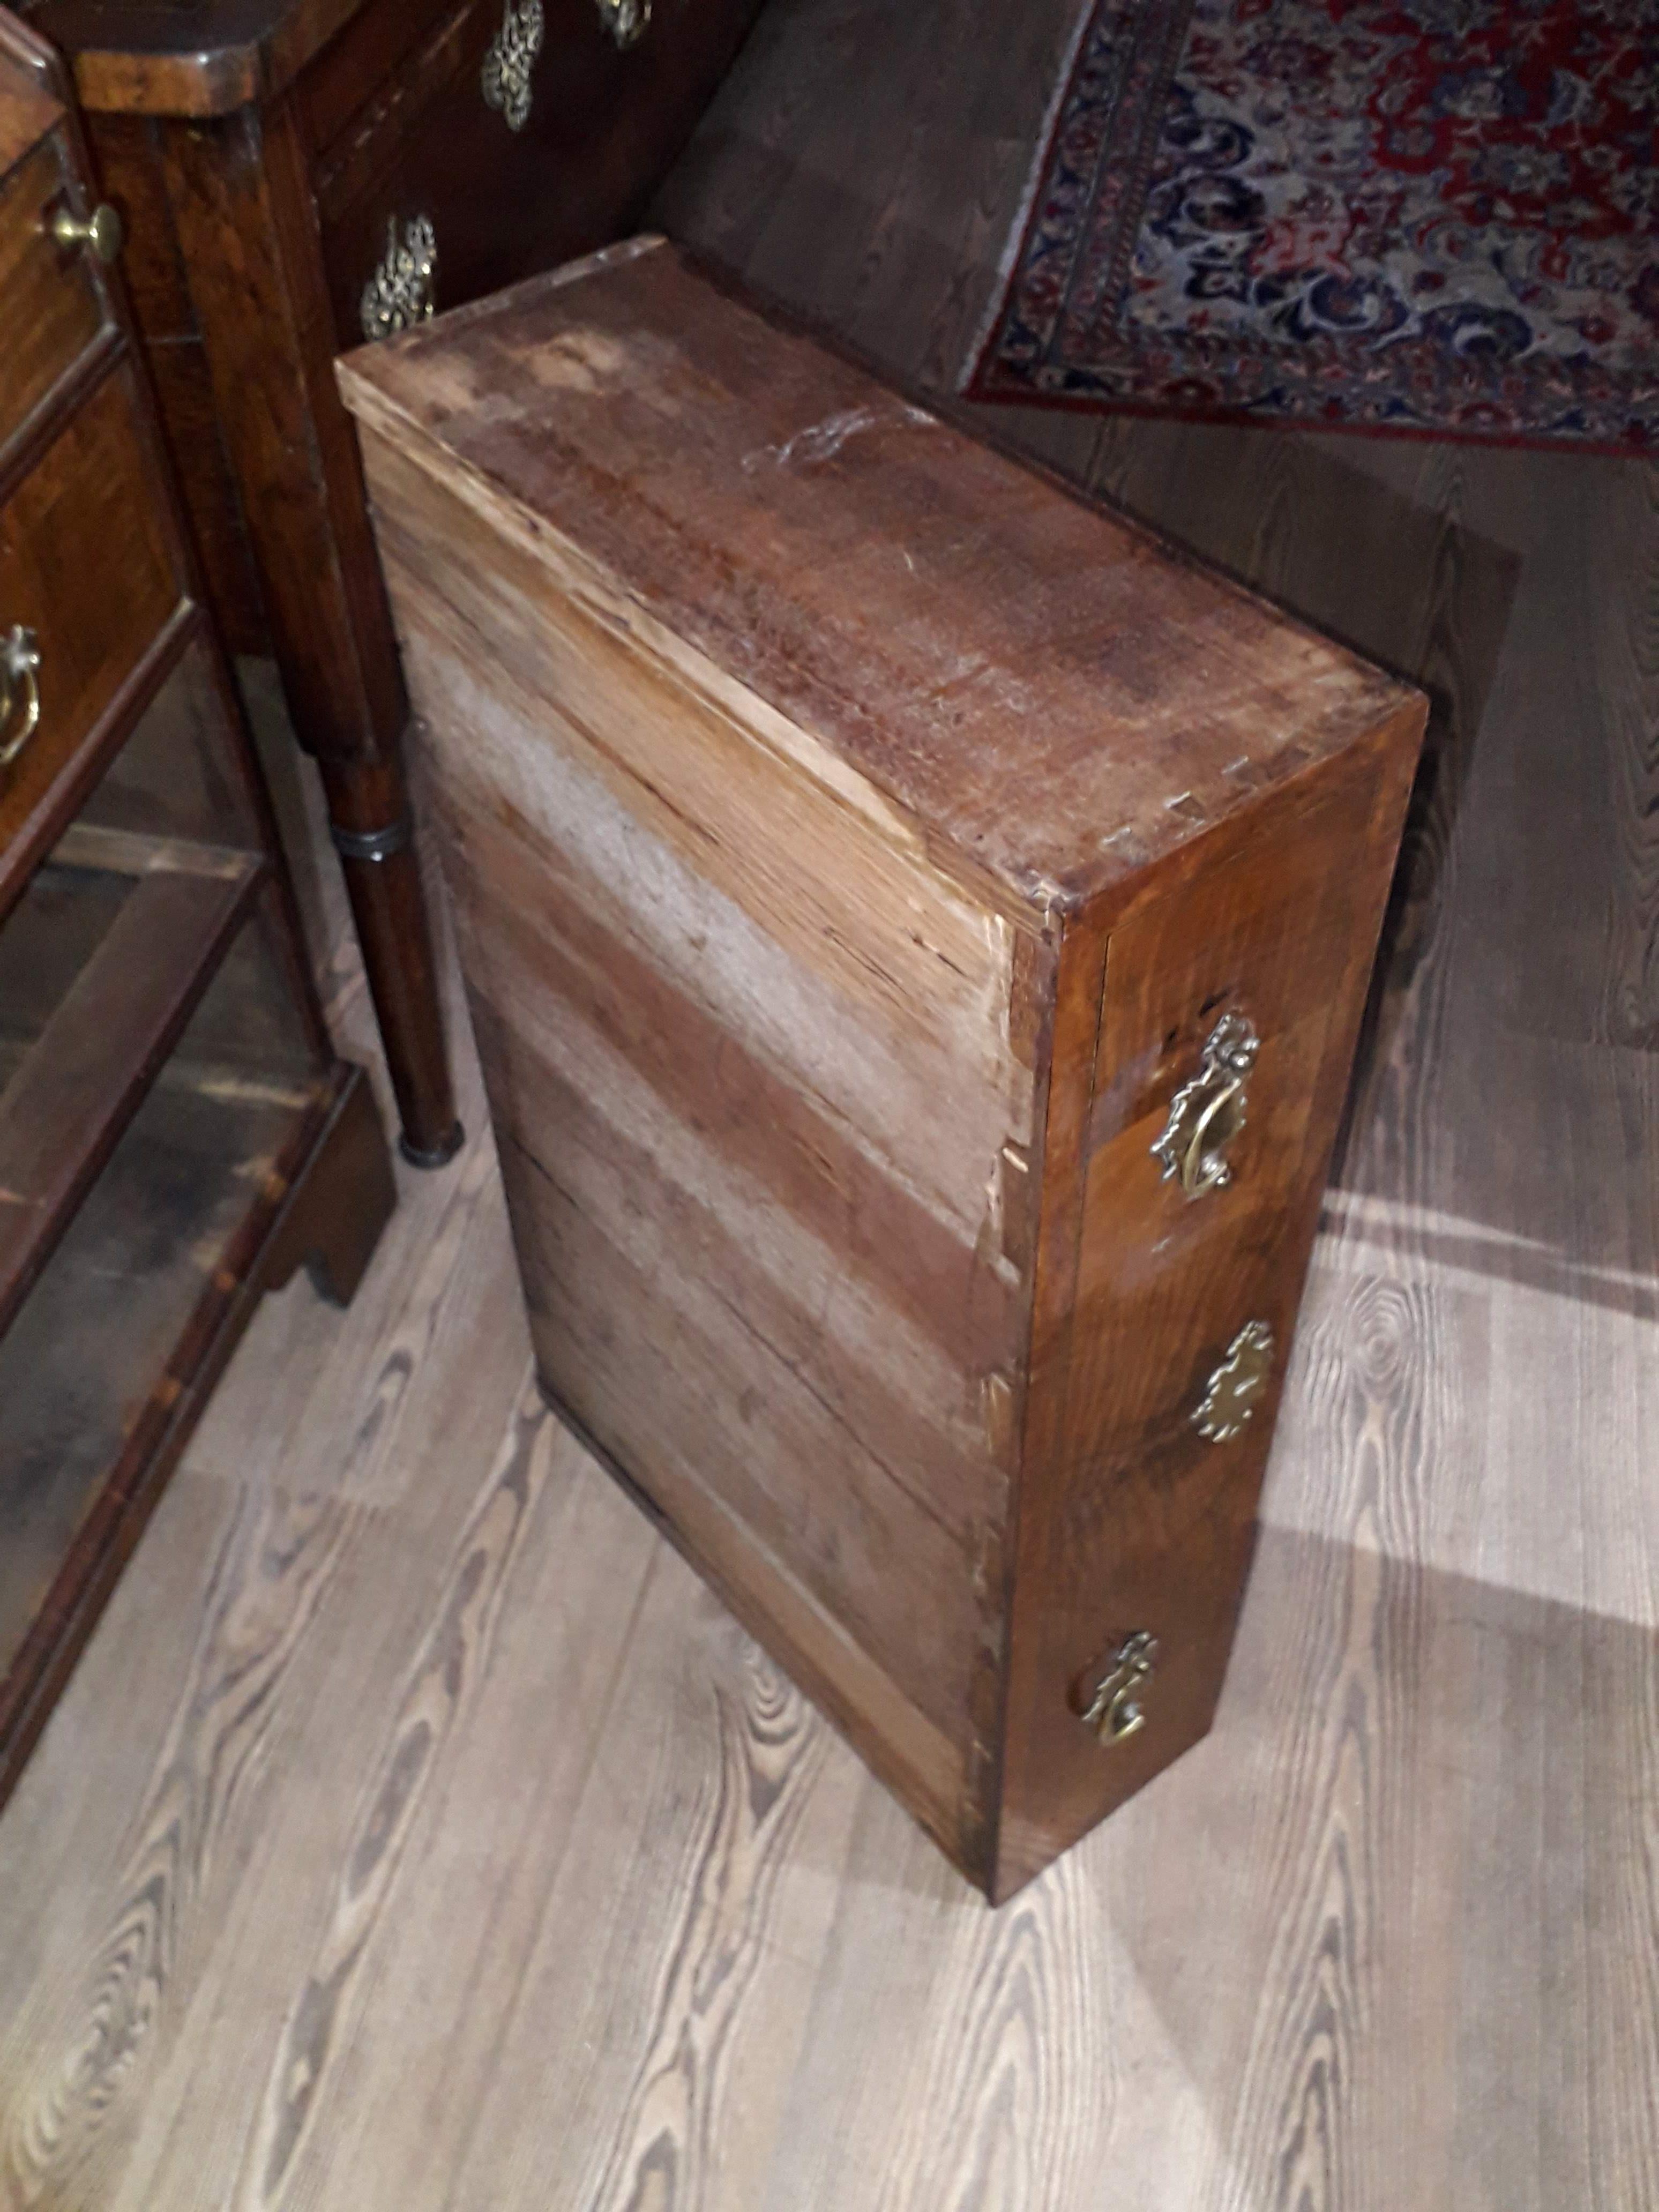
(1115, 1712)
(627, 20)
(20, 690)
(1207, 1113)
(512, 56)
(401, 292)
(1231, 1395)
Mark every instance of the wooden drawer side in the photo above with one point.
(755, 1082)
(892, 1004)
(725, 1286)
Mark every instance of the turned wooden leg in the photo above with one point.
(240, 194)
(370, 820)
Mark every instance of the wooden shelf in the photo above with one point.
(216, 1191)
(82, 1080)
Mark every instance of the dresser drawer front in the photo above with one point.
(1258, 946)
(56, 306)
(1187, 1304)
(603, 124)
(87, 568)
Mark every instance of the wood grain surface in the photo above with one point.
(86, 562)
(56, 304)
(1390, 1936)
(766, 518)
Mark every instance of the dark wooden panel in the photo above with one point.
(80, 1083)
(189, 427)
(55, 305)
(146, 57)
(27, 113)
(322, 1193)
(127, 151)
(357, 99)
(263, 323)
(133, 177)
(603, 126)
(86, 562)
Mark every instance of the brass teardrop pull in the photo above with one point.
(511, 61)
(1116, 1711)
(1207, 1113)
(403, 291)
(20, 690)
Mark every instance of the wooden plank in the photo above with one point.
(27, 113)
(717, 488)
(61, 1112)
(137, 852)
(885, 978)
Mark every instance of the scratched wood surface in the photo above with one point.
(630, 1929)
(784, 738)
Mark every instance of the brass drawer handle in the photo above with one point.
(512, 56)
(100, 232)
(1116, 1711)
(1206, 1115)
(20, 682)
(1233, 1392)
(627, 20)
(403, 291)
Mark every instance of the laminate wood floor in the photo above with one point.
(418, 1833)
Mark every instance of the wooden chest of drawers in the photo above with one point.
(297, 175)
(916, 930)
(176, 1133)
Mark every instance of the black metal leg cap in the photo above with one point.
(441, 1154)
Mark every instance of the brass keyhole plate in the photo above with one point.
(1238, 1386)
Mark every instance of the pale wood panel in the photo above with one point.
(680, 1942)
(86, 2037)
(540, 1712)
(437, 1330)
(430, 1709)
(838, 949)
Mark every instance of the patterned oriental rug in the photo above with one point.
(1429, 216)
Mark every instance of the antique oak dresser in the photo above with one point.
(176, 1134)
(296, 176)
(916, 930)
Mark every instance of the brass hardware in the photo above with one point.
(19, 679)
(101, 231)
(1231, 1395)
(1115, 1712)
(625, 19)
(512, 56)
(1207, 1113)
(401, 292)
